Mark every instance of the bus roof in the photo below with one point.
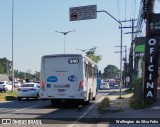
(73, 55)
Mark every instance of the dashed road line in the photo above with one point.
(99, 100)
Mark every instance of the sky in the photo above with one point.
(35, 23)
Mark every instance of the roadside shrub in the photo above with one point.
(138, 90)
(138, 81)
(104, 103)
(135, 104)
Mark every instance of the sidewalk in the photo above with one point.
(124, 111)
(119, 110)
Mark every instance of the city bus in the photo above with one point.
(65, 77)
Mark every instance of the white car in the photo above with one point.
(28, 90)
(5, 86)
(17, 84)
(104, 86)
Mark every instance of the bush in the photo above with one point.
(135, 104)
(138, 90)
(138, 81)
(104, 103)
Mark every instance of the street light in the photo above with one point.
(120, 47)
(65, 33)
(82, 50)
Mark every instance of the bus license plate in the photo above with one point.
(61, 90)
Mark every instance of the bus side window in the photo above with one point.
(90, 70)
(86, 72)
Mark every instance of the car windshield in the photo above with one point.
(27, 85)
(111, 83)
(104, 83)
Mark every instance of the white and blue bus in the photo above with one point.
(68, 77)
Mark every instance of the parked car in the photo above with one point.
(112, 81)
(104, 85)
(5, 86)
(17, 84)
(28, 90)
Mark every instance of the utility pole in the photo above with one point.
(125, 60)
(131, 49)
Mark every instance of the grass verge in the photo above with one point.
(7, 96)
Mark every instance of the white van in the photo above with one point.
(68, 77)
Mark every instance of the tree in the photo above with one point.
(111, 71)
(5, 66)
(1, 69)
(92, 55)
(21, 75)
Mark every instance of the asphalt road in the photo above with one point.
(37, 110)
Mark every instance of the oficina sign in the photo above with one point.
(151, 68)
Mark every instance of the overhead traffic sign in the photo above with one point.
(83, 13)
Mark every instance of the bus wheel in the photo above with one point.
(19, 98)
(52, 101)
(94, 98)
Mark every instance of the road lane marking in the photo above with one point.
(26, 108)
(99, 100)
(19, 109)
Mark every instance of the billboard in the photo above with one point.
(151, 68)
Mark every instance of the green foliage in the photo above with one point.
(111, 71)
(92, 55)
(135, 104)
(5, 68)
(1, 69)
(6, 96)
(4, 65)
(138, 81)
